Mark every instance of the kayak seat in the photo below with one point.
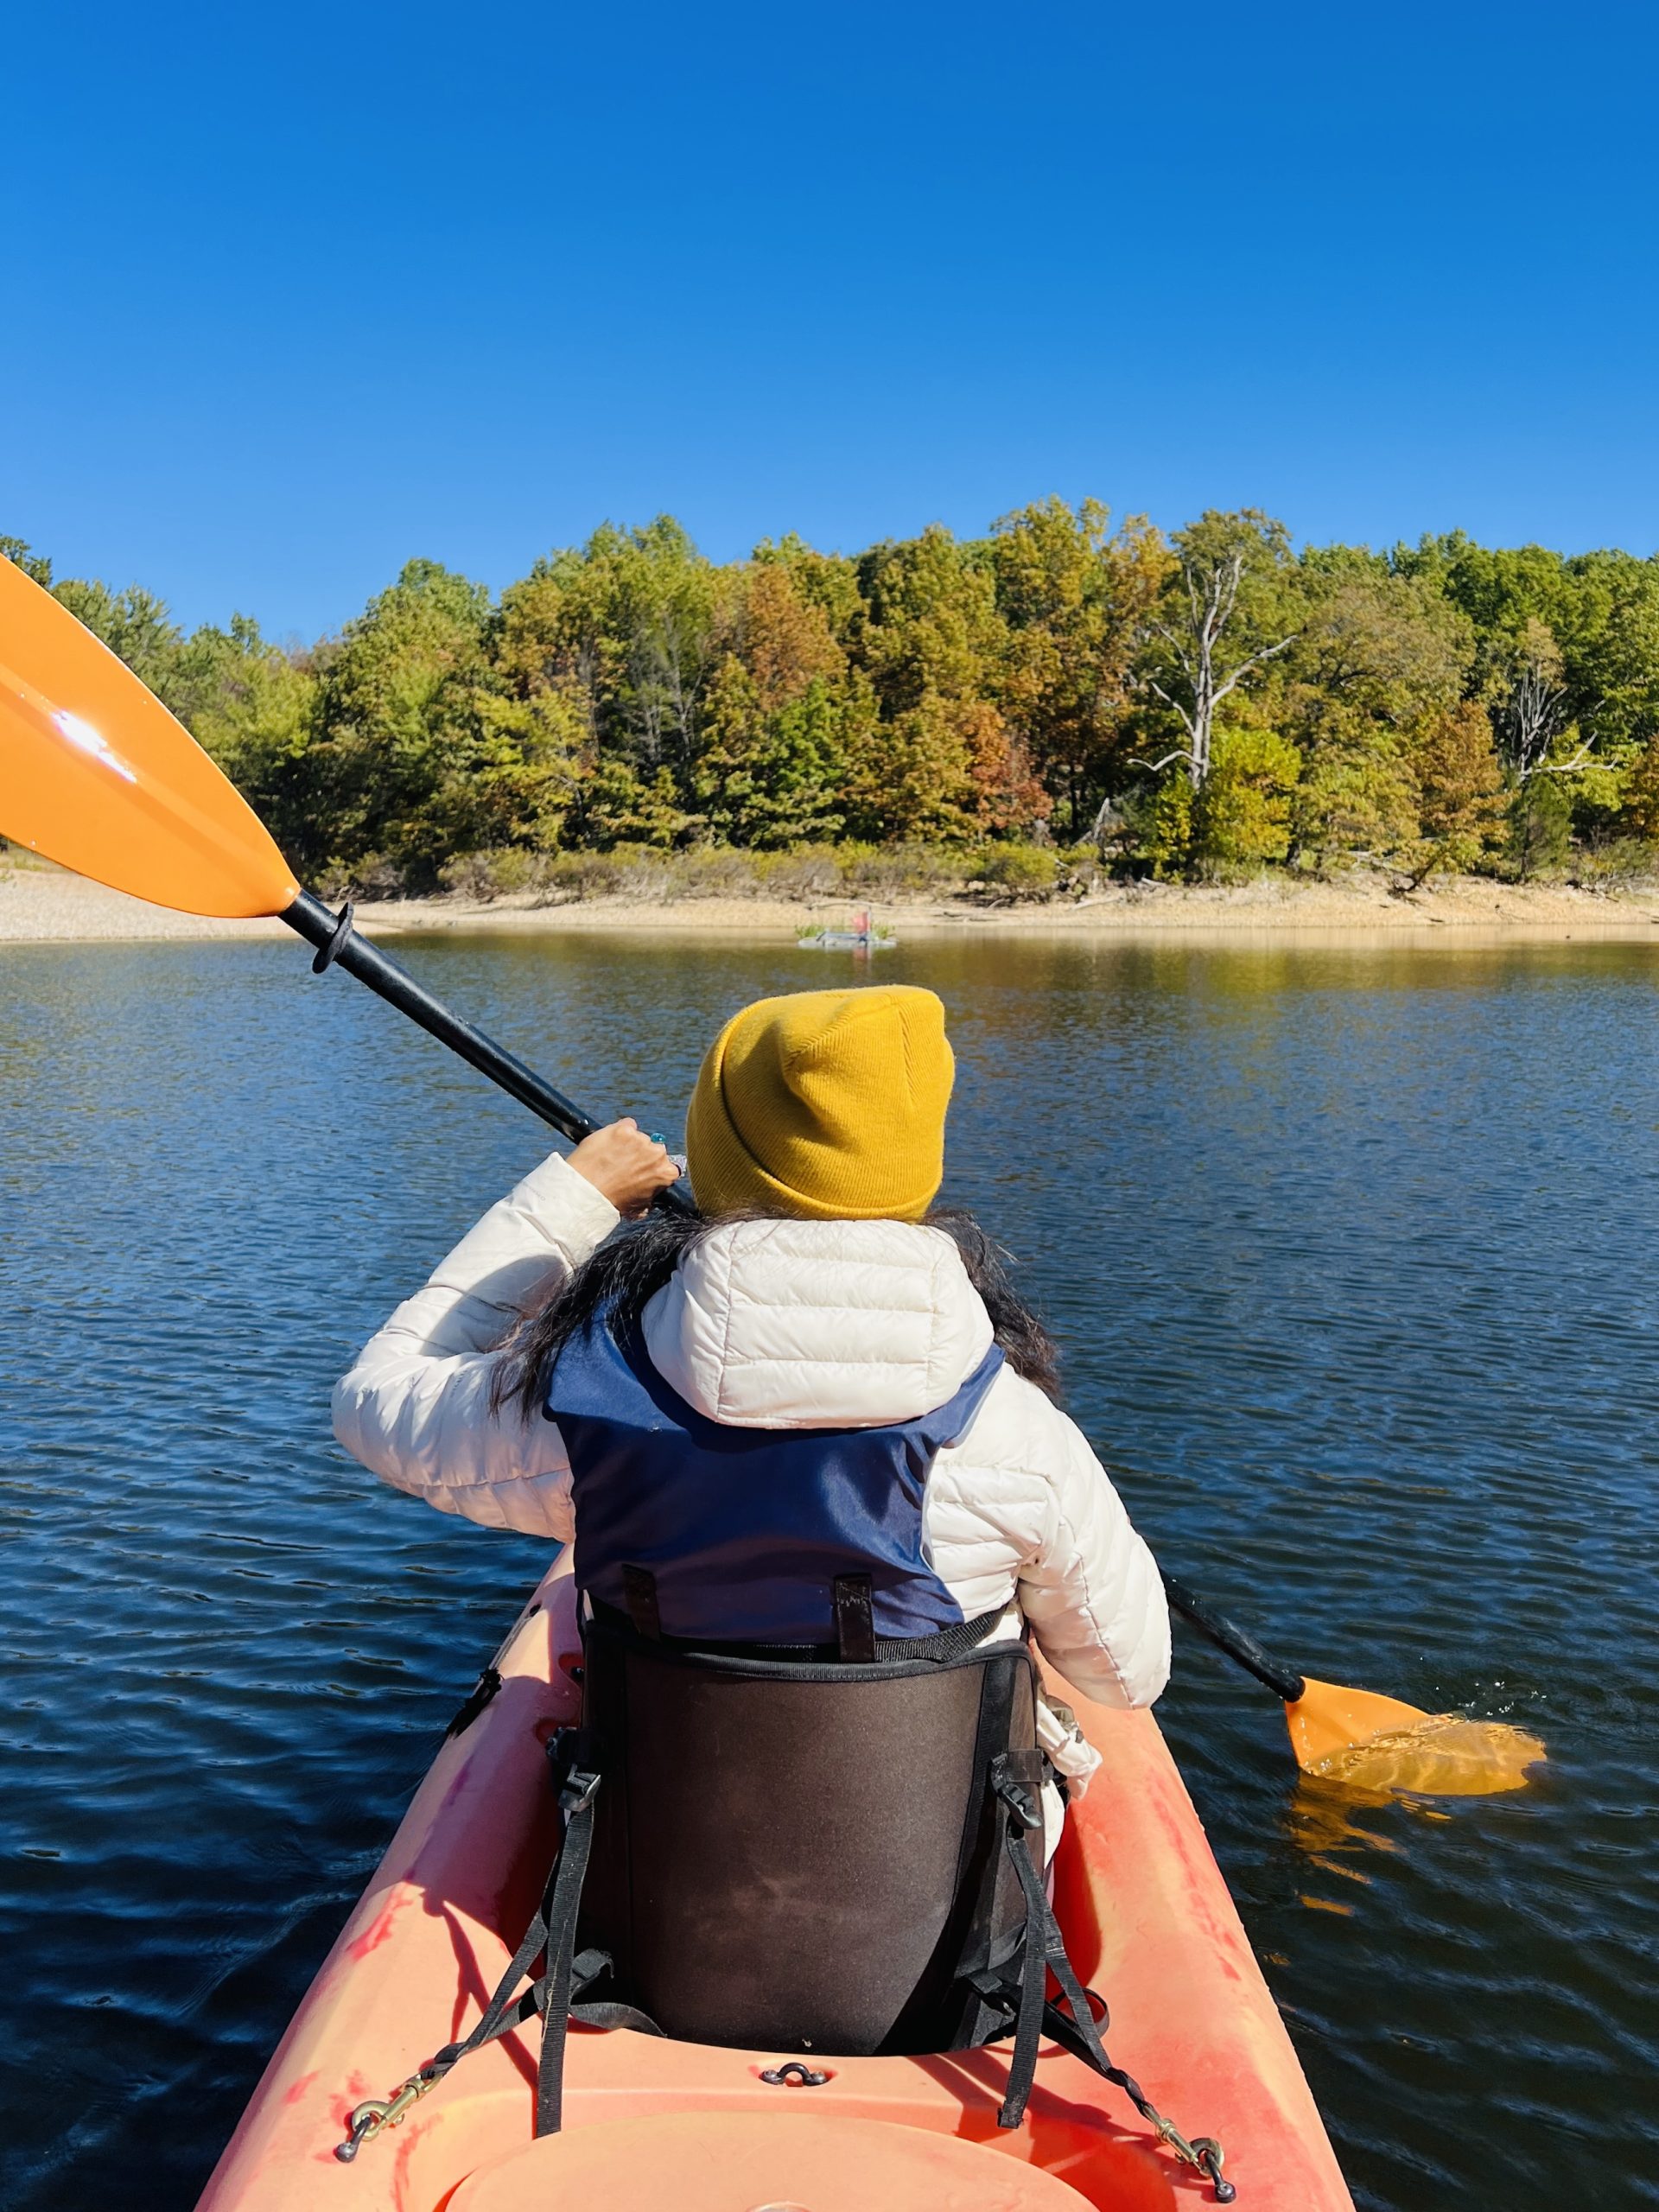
(822, 1849)
(803, 1854)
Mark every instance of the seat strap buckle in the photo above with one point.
(573, 1754)
(576, 1791)
(1014, 1790)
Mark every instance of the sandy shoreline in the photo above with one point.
(44, 905)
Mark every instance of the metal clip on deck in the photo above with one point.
(369, 2120)
(1203, 2153)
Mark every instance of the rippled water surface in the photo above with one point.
(1355, 1255)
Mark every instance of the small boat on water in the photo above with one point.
(650, 2125)
(845, 941)
(863, 935)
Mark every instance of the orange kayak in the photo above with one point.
(650, 2126)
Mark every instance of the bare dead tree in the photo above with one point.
(1534, 714)
(668, 661)
(1530, 721)
(1211, 599)
(1107, 824)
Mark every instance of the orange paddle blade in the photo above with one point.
(1378, 1743)
(97, 775)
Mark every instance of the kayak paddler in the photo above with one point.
(897, 1402)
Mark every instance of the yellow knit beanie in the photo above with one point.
(825, 1105)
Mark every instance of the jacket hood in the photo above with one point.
(817, 1323)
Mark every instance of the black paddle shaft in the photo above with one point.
(338, 944)
(1233, 1640)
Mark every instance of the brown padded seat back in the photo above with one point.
(800, 1856)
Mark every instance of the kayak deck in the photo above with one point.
(1147, 1920)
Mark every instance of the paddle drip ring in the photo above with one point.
(327, 954)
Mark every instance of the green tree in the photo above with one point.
(1601, 610)
(1541, 825)
(1379, 658)
(933, 642)
(774, 743)
(1230, 703)
(33, 565)
(1161, 824)
(1641, 807)
(398, 730)
(645, 610)
(133, 623)
(617, 804)
(769, 778)
(253, 708)
(1241, 816)
(1611, 652)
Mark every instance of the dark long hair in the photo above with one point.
(617, 1281)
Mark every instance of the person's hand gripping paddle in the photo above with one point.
(96, 774)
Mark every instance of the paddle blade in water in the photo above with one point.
(96, 774)
(1378, 1743)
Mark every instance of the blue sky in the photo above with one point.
(295, 293)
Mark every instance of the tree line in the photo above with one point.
(1198, 703)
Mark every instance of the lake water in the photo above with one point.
(1354, 1256)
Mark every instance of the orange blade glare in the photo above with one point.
(97, 775)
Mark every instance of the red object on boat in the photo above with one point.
(652, 2125)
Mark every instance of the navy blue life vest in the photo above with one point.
(744, 1531)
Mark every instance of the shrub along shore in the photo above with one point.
(1063, 706)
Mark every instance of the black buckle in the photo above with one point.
(576, 1791)
(587, 1968)
(1020, 1802)
(572, 1754)
(995, 1990)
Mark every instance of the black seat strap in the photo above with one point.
(551, 1939)
(639, 1588)
(577, 1776)
(1016, 1779)
(854, 1620)
(579, 1786)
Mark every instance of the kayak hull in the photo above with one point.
(1148, 1919)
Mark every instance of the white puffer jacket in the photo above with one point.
(778, 1324)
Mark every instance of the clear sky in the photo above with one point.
(296, 292)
